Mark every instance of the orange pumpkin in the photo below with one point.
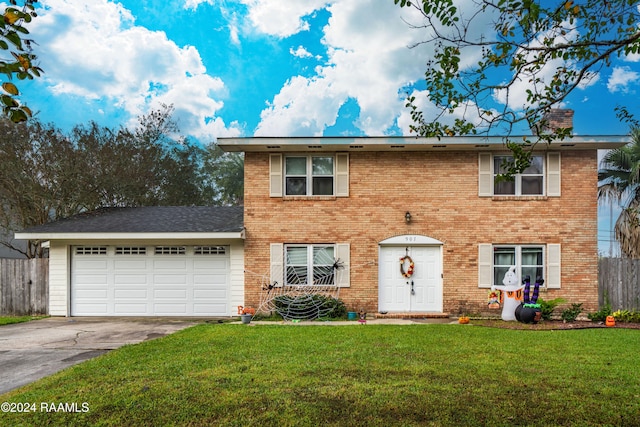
(610, 321)
(463, 320)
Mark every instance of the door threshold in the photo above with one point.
(411, 315)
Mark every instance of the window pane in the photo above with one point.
(323, 186)
(296, 255)
(296, 275)
(296, 166)
(323, 255)
(498, 163)
(296, 186)
(504, 187)
(323, 275)
(503, 258)
(531, 256)
(532, 185)
(322, 165)
(532, 272)
(532, 263)
(296, 261)
(535, 168)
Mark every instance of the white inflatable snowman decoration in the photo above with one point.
(511, 292)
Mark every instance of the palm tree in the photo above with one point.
(619, 181)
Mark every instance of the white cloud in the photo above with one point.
(97, 52)
(368, 61)
(429, 110)
(300, 52)
(193, 4)
(281, 18)
(621, 78)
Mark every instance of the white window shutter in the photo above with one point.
(553, 174)
(277, 264)
(485, 265)
(552, 281)
(275, 175)
(342, 175)
(343, 274)
(485, 175)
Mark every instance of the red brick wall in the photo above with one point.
(441, 192)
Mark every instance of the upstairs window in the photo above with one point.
(528, 183)
(541, 178)
(309, 175)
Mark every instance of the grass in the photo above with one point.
(272, 375)
(7, 320)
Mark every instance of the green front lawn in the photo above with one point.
(7, 320)
(272, 375)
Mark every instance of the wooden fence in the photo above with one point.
(619, 283)
(24, 288)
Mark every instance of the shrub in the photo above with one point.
(310, 307)
(547, 307)
(570, 314)
(600, 315)
(627, 316)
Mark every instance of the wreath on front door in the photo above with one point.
(409, 271)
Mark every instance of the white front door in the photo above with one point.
(422, 292)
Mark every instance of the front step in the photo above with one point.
(411, 316)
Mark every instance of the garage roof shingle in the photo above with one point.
(150, 219)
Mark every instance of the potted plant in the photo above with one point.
(246, 314)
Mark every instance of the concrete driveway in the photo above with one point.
(33, 350)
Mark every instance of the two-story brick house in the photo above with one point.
(369, 202)
(365, 202)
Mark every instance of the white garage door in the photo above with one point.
(150, 281)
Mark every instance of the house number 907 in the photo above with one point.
(410, 238)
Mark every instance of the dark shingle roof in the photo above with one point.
(150, 219)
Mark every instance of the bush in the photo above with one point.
(547, 307)
(600, 315)
(627, 316)
(570, 314)
(309, 307)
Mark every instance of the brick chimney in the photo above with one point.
(556, 118)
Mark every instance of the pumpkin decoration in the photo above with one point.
(610, 321)
(463, 320)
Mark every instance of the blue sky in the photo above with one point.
(257, 67)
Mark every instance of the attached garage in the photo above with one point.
(150, 261)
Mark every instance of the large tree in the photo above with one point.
(499, 50)
(226, 171)
(19, 61)
(46, 175)
(619, 178)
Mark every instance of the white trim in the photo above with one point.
(411, 240)
(275, 175)
(276, 256)
(553, 178)
(397, 143)
(342, 175)
(485, 174)
(343, 275)
(485, 265)
(554, 266)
